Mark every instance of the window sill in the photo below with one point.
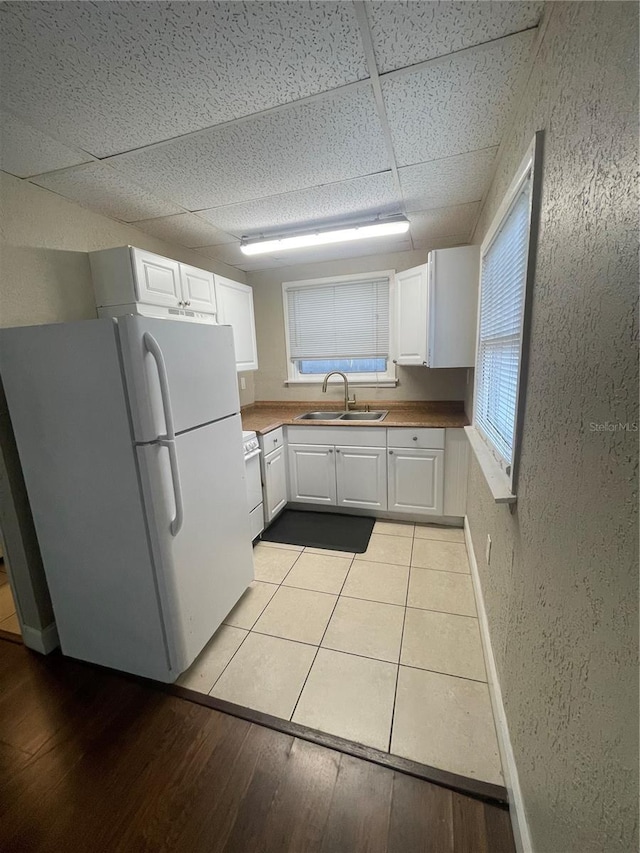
(498, 482)
(360, 383)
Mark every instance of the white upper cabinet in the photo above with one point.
(436, 310)
(157, 279)
(411, 316)
(235, 308)
(125, 277)
(198, 291)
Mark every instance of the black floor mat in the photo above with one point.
(321, 530)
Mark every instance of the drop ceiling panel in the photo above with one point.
(453, 180)
(101, 188)
(332, 138)
(431, 225)
(186, 229)
(114, 76)
(457, 104)
(444, 242)
(360, 198)
(235, 259)
(405, 33)
(25, 151)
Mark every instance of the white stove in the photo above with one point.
(249, 442)
(251, 447)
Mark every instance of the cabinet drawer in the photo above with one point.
(272, 440)
(431, 439)
(346, 436)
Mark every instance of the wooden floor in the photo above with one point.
(92, 761)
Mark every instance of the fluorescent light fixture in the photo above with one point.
(377, 228)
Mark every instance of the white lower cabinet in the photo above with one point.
(312, 474)
(275, 484)
(361, 477)
(416, 480)
(399, 469)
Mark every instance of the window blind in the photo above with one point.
(503, 284)
(341, 320)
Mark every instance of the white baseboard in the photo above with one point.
(43, 641)
(516, 805)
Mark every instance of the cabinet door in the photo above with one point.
(275, 484)
(361, 477)
(157, 279)
(416, 480)
(198, 292)
(312, 474)
(452, 306)
(235, 308)
(411, 316)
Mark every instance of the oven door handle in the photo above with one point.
(252, 455)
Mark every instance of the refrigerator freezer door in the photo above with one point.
(200, 381)
(69, 413)
(206, 566)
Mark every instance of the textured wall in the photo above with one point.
(415, 383)
(562, 589)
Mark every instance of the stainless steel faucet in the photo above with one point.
(348, 402)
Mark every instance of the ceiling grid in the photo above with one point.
(365, 34)
(203, 123)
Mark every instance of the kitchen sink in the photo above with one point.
(319, 416)
(363, 416)
(341, 416)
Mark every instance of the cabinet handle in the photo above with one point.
(331, 450)
(395, 360)
(180, 302)
(187, 303)
(269, 463)
(424, 363)
(391, 453)
(275, 440)
(415, 437)
(337, 450)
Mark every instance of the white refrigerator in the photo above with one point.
(130, 440)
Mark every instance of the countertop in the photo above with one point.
(265, 416)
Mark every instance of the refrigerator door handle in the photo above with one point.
(176, 522)
(152, 346)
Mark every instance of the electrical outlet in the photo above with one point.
(243, 383)
(487, 552)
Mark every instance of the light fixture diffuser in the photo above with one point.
(376, 228)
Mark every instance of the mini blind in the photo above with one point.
(339, 320)
(502, 294)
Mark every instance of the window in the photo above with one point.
(505, 267)
(339, 324)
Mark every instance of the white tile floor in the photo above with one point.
(382, 648)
